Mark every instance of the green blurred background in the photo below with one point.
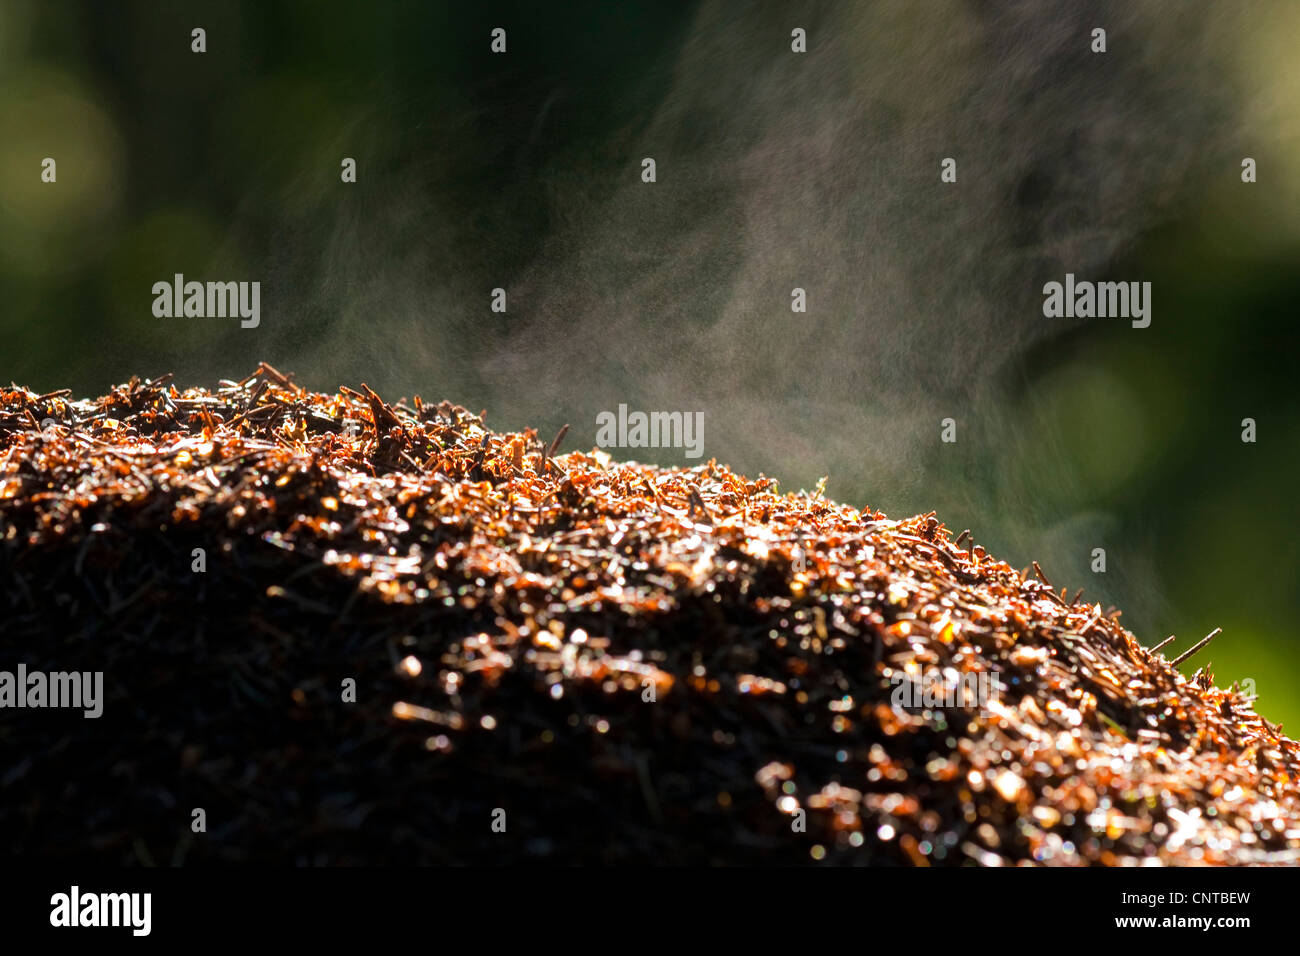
(820, 171)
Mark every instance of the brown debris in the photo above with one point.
(636, 663)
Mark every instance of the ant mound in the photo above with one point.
(356, 632)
